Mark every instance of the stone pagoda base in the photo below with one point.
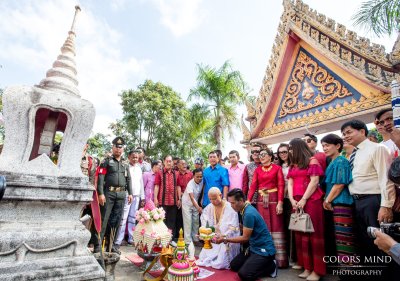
(41, 235)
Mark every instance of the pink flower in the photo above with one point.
(143, 231)
(169, 231)
(133, 228)
(141, 220)
(153, 235)
(156, 217)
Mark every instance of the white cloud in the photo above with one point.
(180, 16)
(31, 36)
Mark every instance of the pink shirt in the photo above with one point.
(236, 176)
(148, 183)
(301, 178)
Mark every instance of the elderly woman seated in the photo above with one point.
(224, 219)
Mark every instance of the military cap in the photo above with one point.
(118, 142)
(199, 161)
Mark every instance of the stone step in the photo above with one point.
(77, 268)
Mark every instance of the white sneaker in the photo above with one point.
(275, 273)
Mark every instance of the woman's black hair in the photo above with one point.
(333, 139)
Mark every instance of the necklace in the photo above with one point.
(267, 168)
(245, 206)
(217, 219)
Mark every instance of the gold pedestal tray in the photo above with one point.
(207, 244)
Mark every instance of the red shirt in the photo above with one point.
(183, 179)
(321, 157)
(166, 194)
(268, 180)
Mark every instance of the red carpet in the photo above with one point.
(219, 275)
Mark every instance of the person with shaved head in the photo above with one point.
(224, 219)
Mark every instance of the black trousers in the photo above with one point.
(112, 212)
(253, 266)
(290, 241)
(179, 221)
(366, 210)
(171, 217)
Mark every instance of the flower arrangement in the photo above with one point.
(145, 216)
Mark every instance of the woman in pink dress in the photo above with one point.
(269, 183)
(304, 193)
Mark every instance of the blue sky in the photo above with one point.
(121, 43)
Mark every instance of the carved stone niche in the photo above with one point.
(41, 235)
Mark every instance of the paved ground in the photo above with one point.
(126, 271)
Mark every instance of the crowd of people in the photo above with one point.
(345, 189)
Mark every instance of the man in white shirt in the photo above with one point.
(144, 165)
(373, 193)
(191, 210)
(136, 185)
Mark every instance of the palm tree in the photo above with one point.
(198, 131)
(221, 90)
(380, 16)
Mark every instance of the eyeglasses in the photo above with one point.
(255, 151)
(283, 152)
(263, 154)
(307, 140)
(382, 122)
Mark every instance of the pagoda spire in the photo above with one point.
(62, 76)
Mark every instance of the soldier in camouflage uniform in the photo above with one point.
(112, 185)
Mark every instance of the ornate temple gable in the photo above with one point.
(315, 94)
(312, 87)
(353, 53)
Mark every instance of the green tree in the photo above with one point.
(197, 132)
(379, 16)
(99, 145)
(221, 90)
(153, 118)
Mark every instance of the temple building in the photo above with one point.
(319, 75)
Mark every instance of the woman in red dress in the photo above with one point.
(304, 193)
(268, 182)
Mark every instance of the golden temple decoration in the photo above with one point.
(338, 111)
(245, 131)
(299, 89)
(334, 41)
(395, 54)
(251, 111)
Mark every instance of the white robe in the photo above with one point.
(220, 255)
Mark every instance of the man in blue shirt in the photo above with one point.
(259, 260)
(214, 176)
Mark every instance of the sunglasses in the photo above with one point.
(283, 152)
(255, 151)
(307, 140)
(263, 154)
(382, 122)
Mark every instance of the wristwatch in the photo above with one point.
(225, 240)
